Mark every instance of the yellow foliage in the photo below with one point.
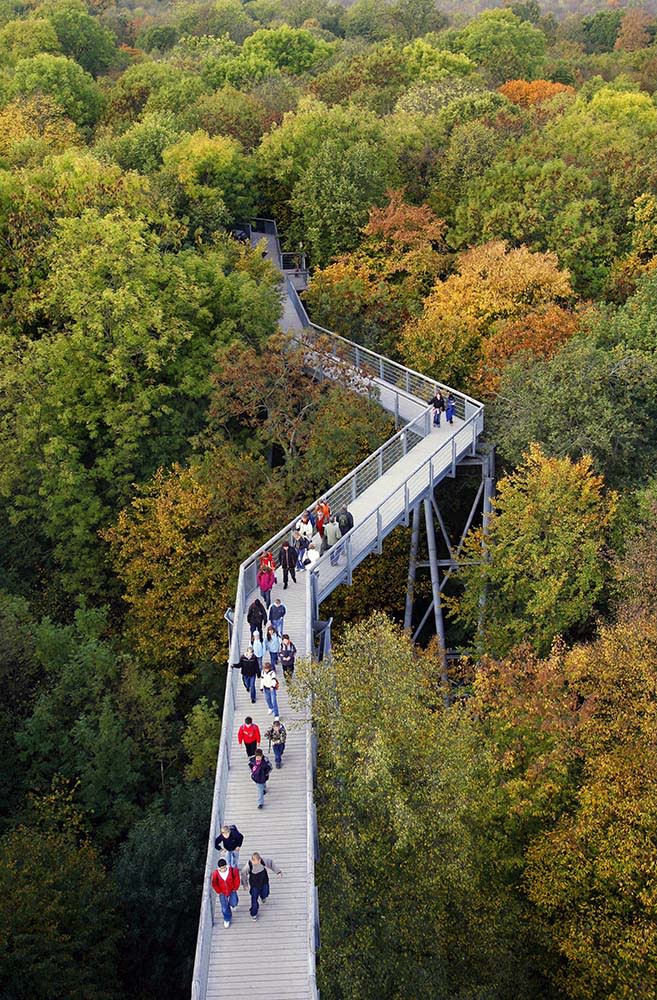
(31, 127)
(492, 283)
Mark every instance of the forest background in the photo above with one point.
(476, 191)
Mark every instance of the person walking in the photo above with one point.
(345, 519)
(257, 879)
(305, 526)
(256, 616)
(266, 579)
(438, 403)
(260, 771)
(230, 840)
(249, 735)
(250, 669)
(450, 408)
(301, 545)
(258, 648)
(312, 555)
(287, 655)
(287, 560)
(277, 614)
(332, 535)
(226, 882)
(277, 734)
(272, 645)
(269, 685)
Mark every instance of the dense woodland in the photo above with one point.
(476, 192)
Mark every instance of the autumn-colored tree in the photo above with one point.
(636, 567)
(34, 127)
(492, 283)
(369, 294)
(528, 93)
(177, 547)
(539, 333)
(591, 877)
(539, 566)
(634, 31)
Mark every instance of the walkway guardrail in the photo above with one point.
(366, 536)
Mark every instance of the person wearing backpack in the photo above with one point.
(250, 669)
(256, 616)
(226, 882)
(260, 771)
(230, 840)
(256, 878)
(277, 736)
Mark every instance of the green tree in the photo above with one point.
(585, 400)
(200, 739)
(81, 36)
(523, 565)
(59, 926)
(212, 169)
(505, 46)
(435, 798)
(141, 146)
(22, 39)
(159, 875)
(294, 50)
(65, 81)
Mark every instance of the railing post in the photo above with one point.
(357, 358)
(380, 464)
(396, 410)
(473, 446)
(454, 457)
(350, 578)
(379, 539)
(381, 370)
(353, 489)
(406, 503)
(408, 381)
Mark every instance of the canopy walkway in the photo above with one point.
(274, 959)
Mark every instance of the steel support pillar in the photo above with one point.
(412, 565)
(435, 587)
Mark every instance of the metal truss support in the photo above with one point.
(435, 586)
(412, 564)
(482, 502)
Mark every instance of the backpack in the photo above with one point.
(265, 768)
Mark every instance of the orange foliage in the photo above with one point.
(529, 93)
(409, 225)
(634, 34)
(541, 333)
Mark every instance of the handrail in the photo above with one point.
(386, 375)
(468, 431)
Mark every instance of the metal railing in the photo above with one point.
(366, 536)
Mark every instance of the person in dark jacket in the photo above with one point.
(260, 771)
(250, 669)
(287, 655)
(450, 408)
(256, 616)
(230, 840)
(257, 879)
(287, 560)
(438, 403)
(345, 520)
(226, 882)
(277, 614)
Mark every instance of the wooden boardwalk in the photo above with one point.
(267, 959)
(273, 958)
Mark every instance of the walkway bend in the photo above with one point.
(381, 493)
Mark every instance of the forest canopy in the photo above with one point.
(473, 187)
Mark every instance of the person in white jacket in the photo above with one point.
(269, 686)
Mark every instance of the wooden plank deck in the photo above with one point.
(268, 958)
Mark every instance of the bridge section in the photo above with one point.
(275, 958)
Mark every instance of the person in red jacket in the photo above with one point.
(249, 735)
(226, 882)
